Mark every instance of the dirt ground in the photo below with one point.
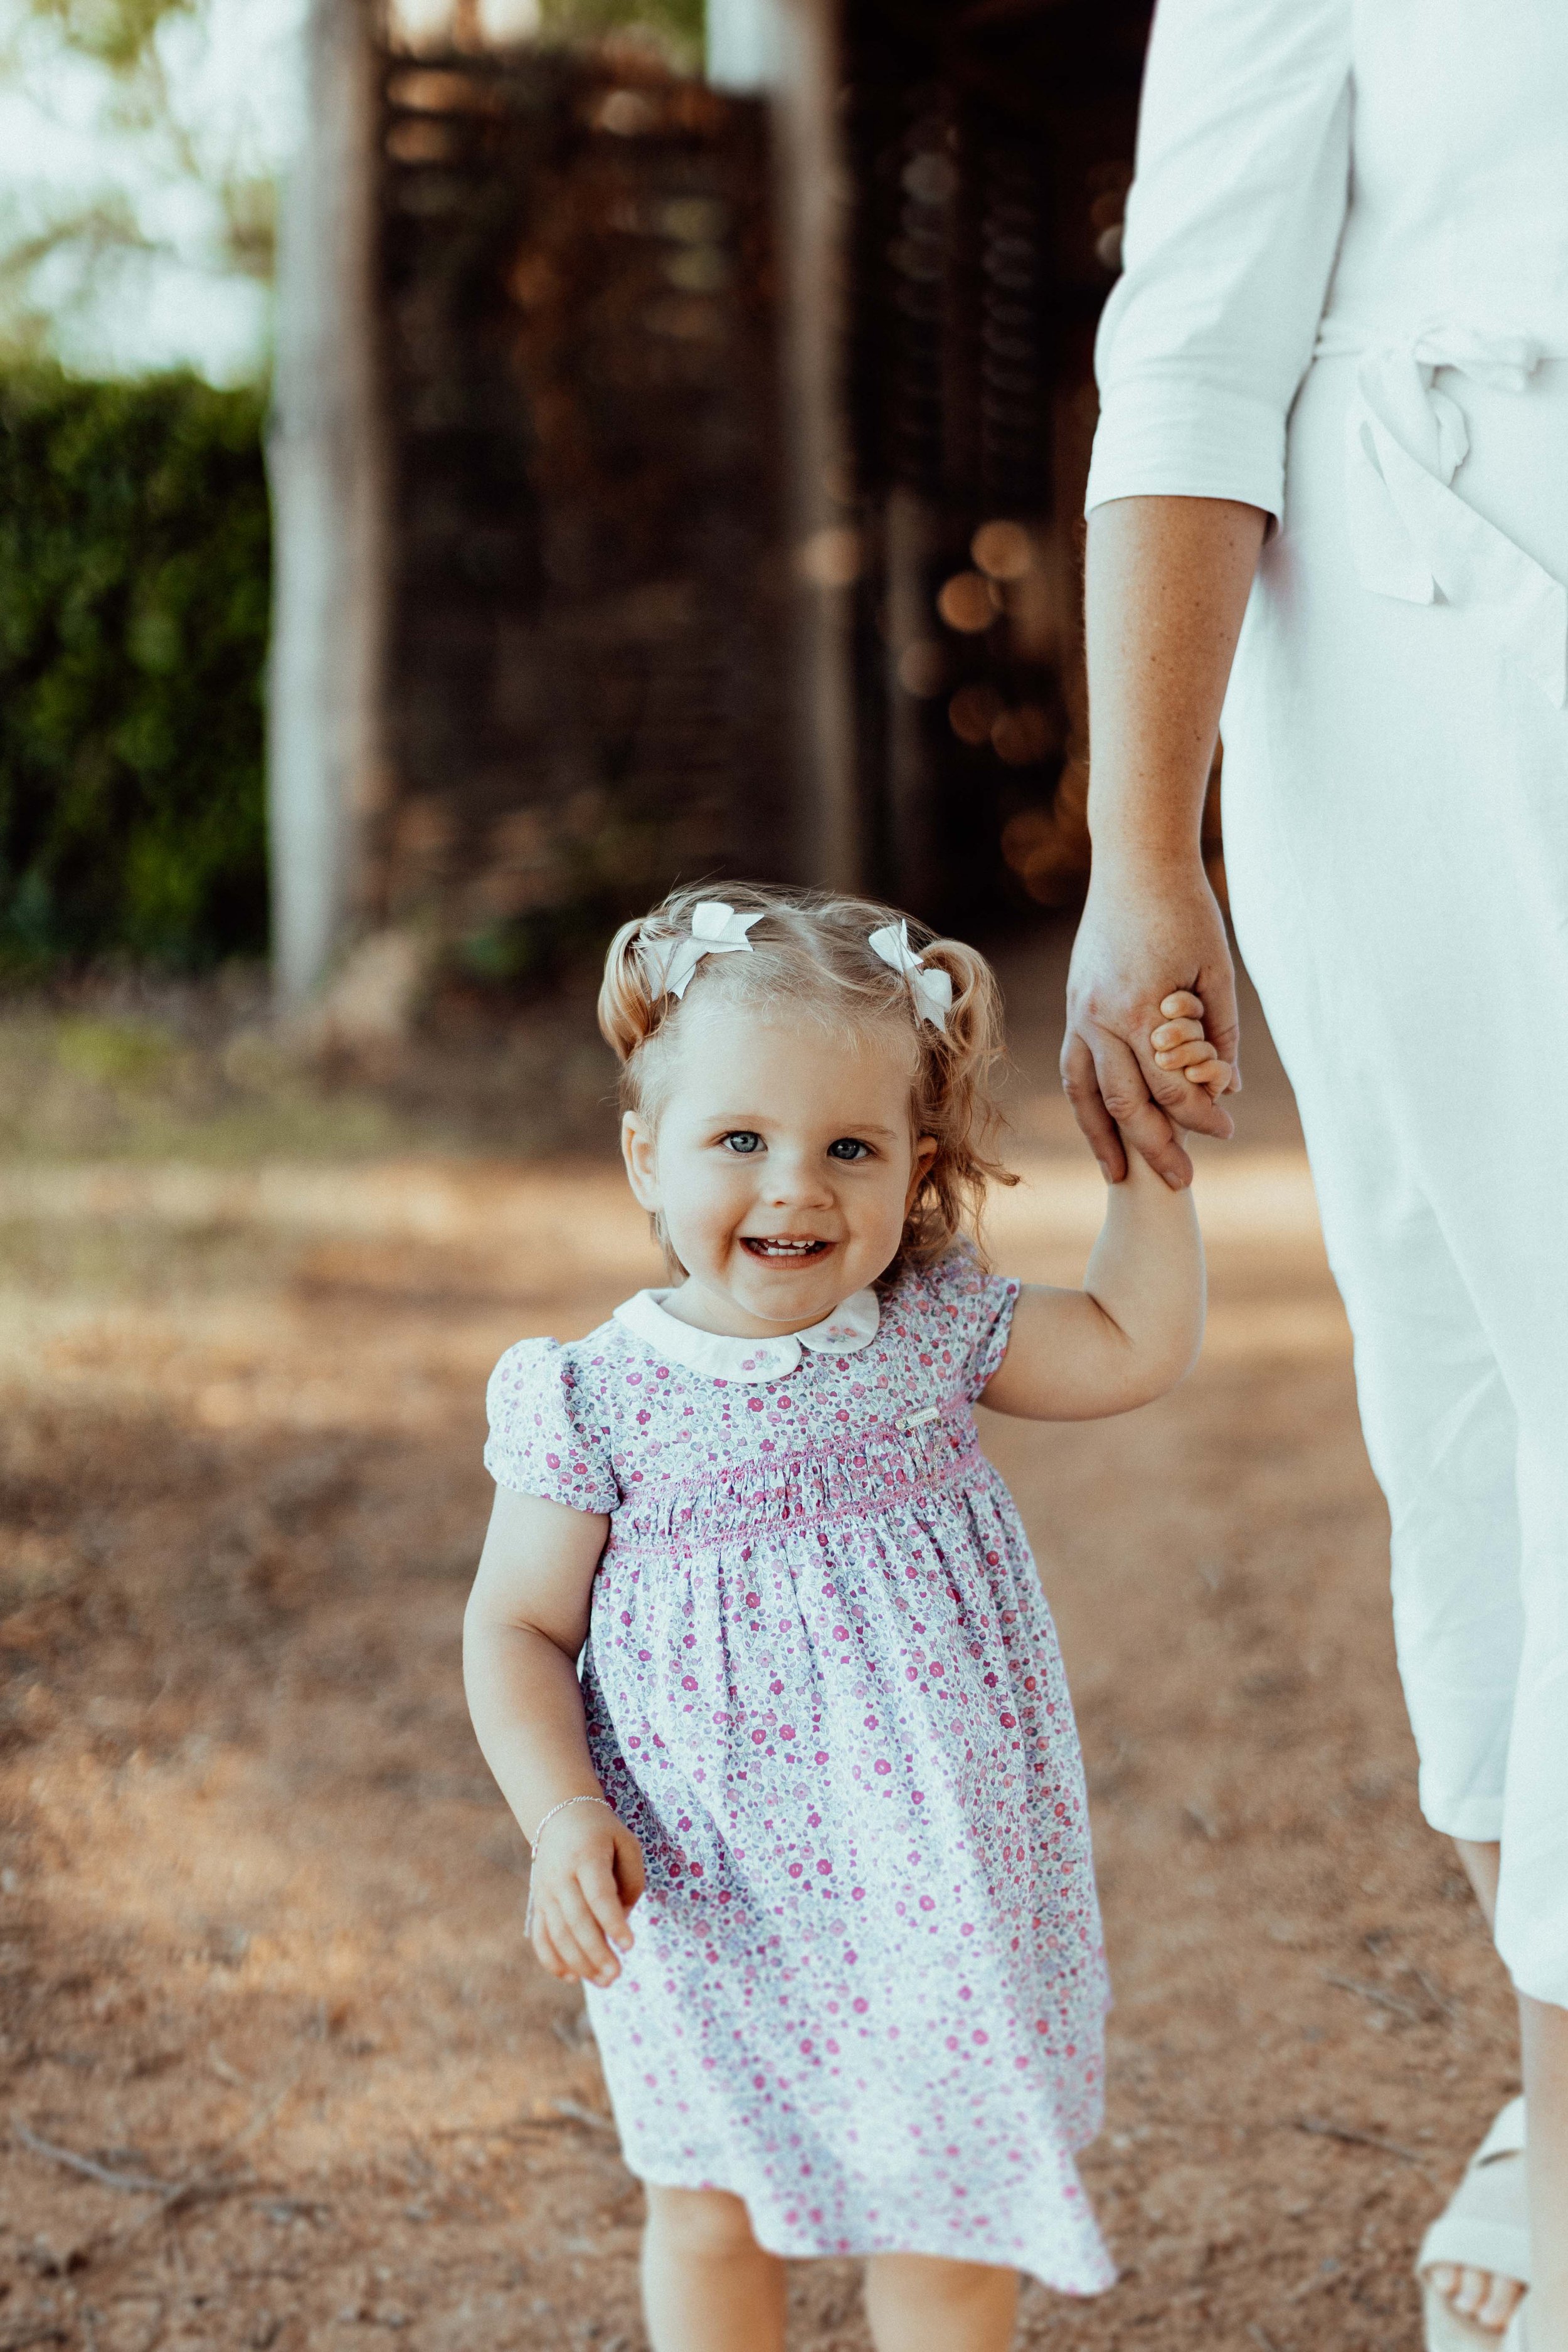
(275, 2070)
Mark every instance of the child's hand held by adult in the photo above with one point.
(1129, 946)
(1180, 1043)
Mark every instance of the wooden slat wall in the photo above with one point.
(585, 688)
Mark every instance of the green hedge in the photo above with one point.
(134, 604)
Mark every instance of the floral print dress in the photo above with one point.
(823, 1688)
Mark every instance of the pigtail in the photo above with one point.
(972, 1040)
(628, 1008)
(955, 1102)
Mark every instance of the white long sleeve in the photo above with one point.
(1233, 223)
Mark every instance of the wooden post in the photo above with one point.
(325, 453)
(789, 51)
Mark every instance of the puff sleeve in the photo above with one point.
(972, 1314)
(1233, 223)
(546, 1437)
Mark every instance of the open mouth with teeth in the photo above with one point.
(779, 1251)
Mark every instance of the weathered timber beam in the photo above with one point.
(325, 453)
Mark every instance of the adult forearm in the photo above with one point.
(1166, 586)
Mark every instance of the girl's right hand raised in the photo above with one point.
(585, 1881)
(1182, 1043)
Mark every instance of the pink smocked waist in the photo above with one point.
(875, 1471)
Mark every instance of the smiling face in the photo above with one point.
(783, 1161)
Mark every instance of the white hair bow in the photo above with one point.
(716, 929)
(931, 989)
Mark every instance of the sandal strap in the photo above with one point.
(1471, 2232)
(1506, 2136)
(1471, 2243)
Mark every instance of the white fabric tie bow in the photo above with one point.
(1414, 537)
(716, 929)
(931, 989)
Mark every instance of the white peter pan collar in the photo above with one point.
(851, 1327)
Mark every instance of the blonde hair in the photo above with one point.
(810, 951)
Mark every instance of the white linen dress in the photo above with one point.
(1346, 302)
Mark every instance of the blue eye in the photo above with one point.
(744, 1141)
(848, 1146)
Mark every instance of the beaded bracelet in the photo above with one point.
(564, 1806)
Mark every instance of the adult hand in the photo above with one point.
(1142, 939)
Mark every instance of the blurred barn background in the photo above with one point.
(697, 488)
(675, 439)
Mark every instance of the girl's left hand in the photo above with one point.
(1180, 1043)
(583, 1884)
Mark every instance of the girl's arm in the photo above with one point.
(526, 1622)
(1134, 1328)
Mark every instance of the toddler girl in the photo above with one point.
(822, 1753)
